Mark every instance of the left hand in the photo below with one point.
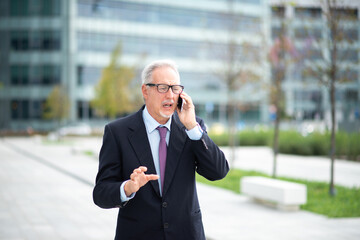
(187, 113)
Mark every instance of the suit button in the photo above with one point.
(164, 204)
(166, 225)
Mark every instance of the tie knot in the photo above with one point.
(162, 131)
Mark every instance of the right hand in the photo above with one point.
(138, 179)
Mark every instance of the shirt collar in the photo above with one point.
(151, 124)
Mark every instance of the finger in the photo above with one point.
(139, 169)
(133, 176)
(143, 169)
(151, 177)
(186, 98)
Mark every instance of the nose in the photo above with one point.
(170, 93)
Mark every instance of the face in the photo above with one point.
(161, 106)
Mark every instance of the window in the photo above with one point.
(347, 35)
(345, 13)
(304, 33)
(348, 75)
(19, 109)
(277, 11)
(25, 8)
(19, 8)
(158, 46)
(85, 111)
(35, 40)
(351, 95)
(24, 109)
(150, 13)
(37, 109)
(314, 54)
(308, 12)
(87, 75)
(275, 32)
(35, 75)
(348, 55)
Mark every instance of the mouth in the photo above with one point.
(168, 104)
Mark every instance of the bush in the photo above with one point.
(348, 145)
(220, 139)
(292, 142)
(254, 138)
(319, 143)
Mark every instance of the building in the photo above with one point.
(48, 42)
(305, 98)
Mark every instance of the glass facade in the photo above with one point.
(43, 40)
(34, 75)
(301, 12)
(26, 109)
(166, 15)
(29, 8)
(305, 26)
(308, 33)
(161, 47)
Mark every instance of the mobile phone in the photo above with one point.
(179, 103)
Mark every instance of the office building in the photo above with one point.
(306, 99)
(48, 42)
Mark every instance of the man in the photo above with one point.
(156, 191)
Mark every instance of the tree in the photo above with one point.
(114, 94)
(236, 70)
(57, 105)
(337, 46)
(281, 54)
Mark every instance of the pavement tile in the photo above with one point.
(46, 193)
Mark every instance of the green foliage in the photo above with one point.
(245, 138)
(220, 139)
(57, 104)
(348, 145)
(345, 204)
(254, 138)
(292, 142)
(114, 93)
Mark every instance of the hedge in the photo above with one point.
(292, 142)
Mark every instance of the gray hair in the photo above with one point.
(146, 75)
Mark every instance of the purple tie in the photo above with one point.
(162, 153)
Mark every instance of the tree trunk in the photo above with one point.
(332, 190)
(276, 144)
(232, 134)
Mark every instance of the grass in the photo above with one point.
(346, 203)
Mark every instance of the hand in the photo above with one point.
(138, 179)
(187, 114)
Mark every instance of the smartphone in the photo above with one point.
(179, 103)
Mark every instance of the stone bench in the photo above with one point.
(281, 194)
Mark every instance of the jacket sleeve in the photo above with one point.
(210, 160)
(106, 193)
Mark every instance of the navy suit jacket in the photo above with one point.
(174, 215)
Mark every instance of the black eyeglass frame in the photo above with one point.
(168, 87)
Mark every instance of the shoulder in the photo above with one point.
(127, 121)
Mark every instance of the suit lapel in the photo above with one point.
(140, 144)
(175, 148)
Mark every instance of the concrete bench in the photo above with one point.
(283, 195)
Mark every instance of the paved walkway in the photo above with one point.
(347, 173)
(46, 189)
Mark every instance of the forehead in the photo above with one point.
(165, 75)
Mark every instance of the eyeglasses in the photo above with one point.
(164, 88)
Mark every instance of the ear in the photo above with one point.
(144, 91)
